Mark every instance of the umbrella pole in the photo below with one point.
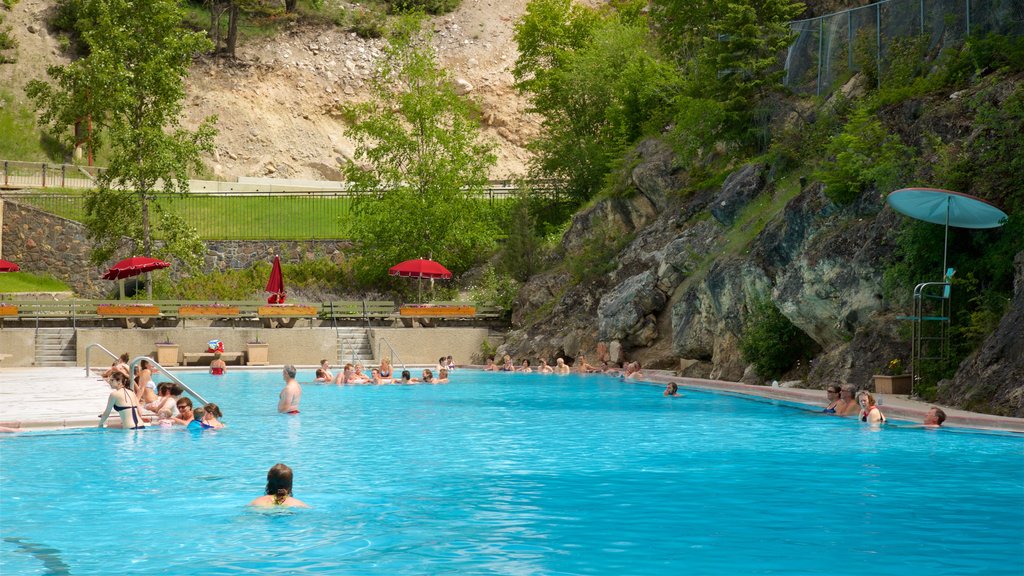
(121, 284)
(945, 242)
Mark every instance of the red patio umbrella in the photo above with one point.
(8, 266)
(275, 284)
(420, 269)
(133, 267)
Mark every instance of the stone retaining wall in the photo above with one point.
(42, 243)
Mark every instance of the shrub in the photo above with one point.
(367, 22)
(864, 156)
(770, 341)
(495, 288)
(428, 6)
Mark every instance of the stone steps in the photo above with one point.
(56, 347)
(354, 346)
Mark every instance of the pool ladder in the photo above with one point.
(136, 360)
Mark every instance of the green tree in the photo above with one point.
(131, 87)
(419, 166)
(599, 84)
(729, 49)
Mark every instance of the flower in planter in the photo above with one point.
(893, 368)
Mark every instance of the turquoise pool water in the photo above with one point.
(513, 474)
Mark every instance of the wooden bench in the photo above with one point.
(357, 309)
(207, 357)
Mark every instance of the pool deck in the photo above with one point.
(55, 398)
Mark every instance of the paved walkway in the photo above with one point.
(48, 398)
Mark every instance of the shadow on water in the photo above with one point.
(50, 557)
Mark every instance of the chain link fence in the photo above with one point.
(829, 49)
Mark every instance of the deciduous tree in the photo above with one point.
(131, 85)
(419, 166)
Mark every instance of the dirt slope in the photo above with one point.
(275, 105)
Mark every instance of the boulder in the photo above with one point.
(739, 189)
(626, 312)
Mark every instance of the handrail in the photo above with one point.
(394, 354)
(137, 359)
(101, 347)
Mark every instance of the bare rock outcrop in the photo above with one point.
(992, 379)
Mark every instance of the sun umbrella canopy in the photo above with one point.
(419, 269)
(8, 266)
(133, 267)
(275, 283)
(947, 208)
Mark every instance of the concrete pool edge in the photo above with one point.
(894, 406)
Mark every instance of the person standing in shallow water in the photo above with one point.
(288, 401)
(279, 490)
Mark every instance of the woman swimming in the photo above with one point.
(279, 490)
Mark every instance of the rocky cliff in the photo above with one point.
(686, 267)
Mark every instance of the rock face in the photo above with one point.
(992, 380)
(681, 286)
(627, 312)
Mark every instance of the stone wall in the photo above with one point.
(42, 243)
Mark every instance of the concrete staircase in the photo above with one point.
(354, 341)
(56, 347)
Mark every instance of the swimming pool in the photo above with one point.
(512, 474)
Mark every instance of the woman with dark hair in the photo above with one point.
(213, 416)
(125, 402)
(279, 489)
(832, 391)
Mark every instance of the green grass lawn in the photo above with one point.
(25, 282)
(219, 217)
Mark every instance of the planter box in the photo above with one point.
(892, 384)
(167, 354)
(8, 310)
(287, 310)
(207, 311)
(435, 311)
(257, 354)
(123, 310)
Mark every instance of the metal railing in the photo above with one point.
(393, 356)
(136, 360)
(829, 48)
(18, 174)
(185, 387)
(101, 347)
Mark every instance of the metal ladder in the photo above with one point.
(136, 360)
(931, 321)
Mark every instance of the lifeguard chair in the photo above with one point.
(932, 300)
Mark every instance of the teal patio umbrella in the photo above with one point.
(948, 208)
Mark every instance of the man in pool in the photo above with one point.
(288, 401)
(935, 417)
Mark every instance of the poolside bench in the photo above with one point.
(207, 357)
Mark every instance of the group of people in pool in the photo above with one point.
(843, 402)
(140, 402)
(580, 366)
(352, 374)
